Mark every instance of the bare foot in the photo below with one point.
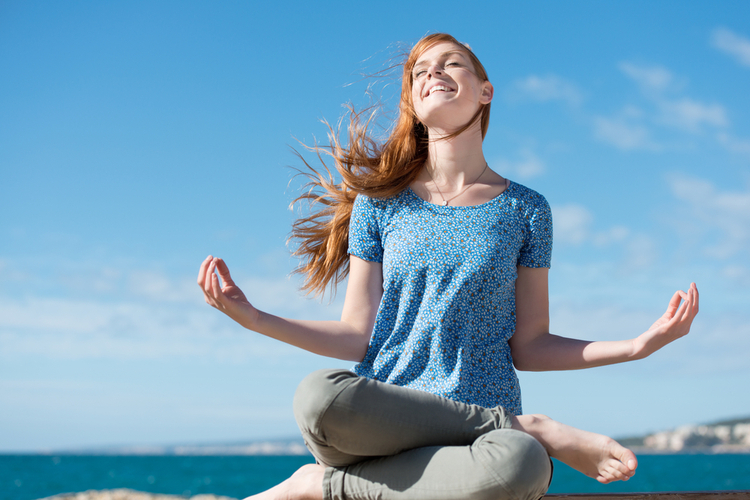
(595, 455)
(305, 484)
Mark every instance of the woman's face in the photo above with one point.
(446, 91)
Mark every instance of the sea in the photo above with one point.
(30, 477)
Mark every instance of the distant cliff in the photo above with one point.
(291, 446)
(730, 436)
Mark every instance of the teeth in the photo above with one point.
(439, 87)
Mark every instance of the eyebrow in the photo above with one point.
(460, 52)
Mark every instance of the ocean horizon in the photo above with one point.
(32, 477)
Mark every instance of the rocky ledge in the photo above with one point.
(125, 494)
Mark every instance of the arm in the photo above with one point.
(345, 339)
(535, 349)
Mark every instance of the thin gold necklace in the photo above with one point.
(445, 202)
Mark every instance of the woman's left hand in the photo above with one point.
(675, 323)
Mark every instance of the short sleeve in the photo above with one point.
(537, 248)
(364, 233)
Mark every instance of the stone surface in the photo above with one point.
(125, 494)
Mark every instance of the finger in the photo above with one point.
(218, 293)
(689, 302)
(209, 273)
(207, 297)
(674, 303)
(223, 270)
(693, 303)
(209, 300)
(202, 270)
(694, 287)
(211, 287)
(690, 311)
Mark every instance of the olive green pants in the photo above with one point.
(381, 441)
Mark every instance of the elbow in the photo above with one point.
(520, 361)
(519, 365)
(524, 358)
(358, 348)
(357, 354)
(523, 365)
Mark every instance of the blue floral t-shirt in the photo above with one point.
(448, 306)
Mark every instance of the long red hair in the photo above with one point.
(365, 166)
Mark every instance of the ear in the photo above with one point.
(487, 92)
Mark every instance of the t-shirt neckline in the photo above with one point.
(511, 184)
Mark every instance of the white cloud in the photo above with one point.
(138, 284)
(649, 78)
(545, 88)
(722, 343)
(737, 273)
(70, 329)
(527, 165)
(690, 115)
(641, 252)
(733, 44)
(632, 112)
(615, 234)
(572, 224)
(611, 322)
(623, 134)
(733, 144)
(712, 210)
(152, 317)
(689, 188)
(156, 286)
(656, 83)
(715, 343)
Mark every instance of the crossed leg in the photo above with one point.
(376, 440)
(595, 455)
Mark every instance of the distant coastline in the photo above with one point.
(274, 447)
(727, 436)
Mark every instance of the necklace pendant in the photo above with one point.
(445, 203)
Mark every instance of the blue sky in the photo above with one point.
(138, 137)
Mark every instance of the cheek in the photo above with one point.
(415, 99)
(415, 91)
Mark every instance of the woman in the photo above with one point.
(447, 291)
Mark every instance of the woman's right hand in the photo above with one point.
(228, 299)
(346, 339)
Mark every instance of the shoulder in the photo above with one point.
(369, 221)
(536, 217)
(529, 204)
(365, 207)
(380, 207)
(527, 197)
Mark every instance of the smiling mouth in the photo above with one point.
(438, 88)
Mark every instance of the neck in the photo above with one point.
(456, 161)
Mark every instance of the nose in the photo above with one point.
(434, 69)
